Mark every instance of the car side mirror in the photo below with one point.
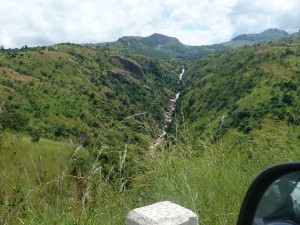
(273, 198)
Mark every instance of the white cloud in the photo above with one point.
(258, 15)
(42, 22)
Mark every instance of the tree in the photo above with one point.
(288, 99)
(35, 136)
(13, 120)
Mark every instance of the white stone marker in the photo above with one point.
(162, 213)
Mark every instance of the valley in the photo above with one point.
(90, 132)
(168, 117)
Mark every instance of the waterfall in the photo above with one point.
(168, 116)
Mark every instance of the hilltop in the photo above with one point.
(155, 45)
(165, 47)
(267, 35)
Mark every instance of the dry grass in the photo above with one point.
(54, 55)
(14, 75)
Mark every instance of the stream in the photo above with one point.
(168, 116)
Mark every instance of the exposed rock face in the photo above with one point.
(131, 65)
(124, 76)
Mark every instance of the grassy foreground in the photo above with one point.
(38, 185)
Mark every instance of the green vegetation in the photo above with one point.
(161, 47)
(164, 47)
(241, 89)
(70, 91)
(267, 35)
(210, 179)
(96, 100)
(77, 123)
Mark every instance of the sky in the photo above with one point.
(193, 22)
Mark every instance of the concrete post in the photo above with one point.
(162, 213)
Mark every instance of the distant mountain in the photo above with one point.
(165, 47)
(156, 40)
(267, 35)
(294, 37)
(242, 40)
(155, 45)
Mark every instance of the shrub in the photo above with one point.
(288, 99)
(14, 120)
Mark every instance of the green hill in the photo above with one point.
(71, 91)
(244, 90)
(267, 35)
(270, 35)
(157, 40)
(292, 38)
(156, 45)
(164, 47)
(77, 123)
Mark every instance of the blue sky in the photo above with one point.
(193, 22)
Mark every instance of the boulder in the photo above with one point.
(131, 65)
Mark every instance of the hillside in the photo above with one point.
(164, 47)
(66, 109)
(244, 91)
(270, 35)
(77, 125)
(267, 35)
(70, 91)
(292, 38)
(155, 45)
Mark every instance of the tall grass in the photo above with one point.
(208, 178)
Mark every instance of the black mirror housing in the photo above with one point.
(259, 187)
